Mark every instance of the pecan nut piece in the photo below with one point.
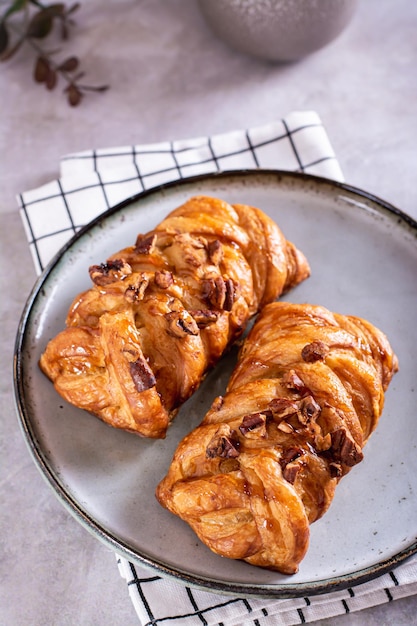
(322, 443)
(215, 252)
(136, 291)
(163, 279)
(204, 317)
(344, 449)
(283, 407)
(291, 463)
(230, 294)
(335, 470)
(223, 444)
(192, 249)
(253, 425)
(285, 427)
(293, 382)
(290, 472)
(314, 351)
(290, 454)
(181, 324)
(145, 244)
(110, 272)
(142, 375)
(309, 410)
(214, 290)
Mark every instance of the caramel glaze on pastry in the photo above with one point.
(161, 312)
(302, 401)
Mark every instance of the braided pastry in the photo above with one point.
(304, 397)
(161, 312)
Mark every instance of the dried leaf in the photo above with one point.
(55, 10)
(40, 25)
(51, 79)
(37, 23)
(42, 70)
(69, 65)
(74, 95)
(4, 38)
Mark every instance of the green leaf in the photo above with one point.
(4, 38)
(40, 25)
(11, 51)
(17, 5)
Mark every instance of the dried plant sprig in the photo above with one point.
(31, 22)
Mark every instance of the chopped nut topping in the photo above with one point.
(283, 407)
(335, 470)
(145, 244)
(215, 252)
(214, 290)
(290, 472)
(230, 294)
(285, 427)
(223, 444)
(136, 291)
(204, 317)
(253, 425)
(344, 448)
(110, 272)
(191, 249)
(195, 242)
(290, 464)
(321, 443)
(290, 454)
(315, 351)
(219, 292)
(304, 410)
(163, 279)
(309, 410)
(293, 382)
(142, 375)
(181, 324)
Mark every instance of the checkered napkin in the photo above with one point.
(95, 180)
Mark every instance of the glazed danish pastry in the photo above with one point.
(301, 403)
(161, 312)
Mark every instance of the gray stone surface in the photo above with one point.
(171, 78)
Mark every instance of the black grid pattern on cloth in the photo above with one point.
(141, 583)
(177, 148)
(194, 607)
(113, 176)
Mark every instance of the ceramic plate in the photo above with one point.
(363, 256)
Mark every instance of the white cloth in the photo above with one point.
(91, 182)
(95, 180)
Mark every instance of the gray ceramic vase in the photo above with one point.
(278, 30)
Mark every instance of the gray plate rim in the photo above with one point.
(82, 516)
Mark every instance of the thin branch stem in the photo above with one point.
(46, 68)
